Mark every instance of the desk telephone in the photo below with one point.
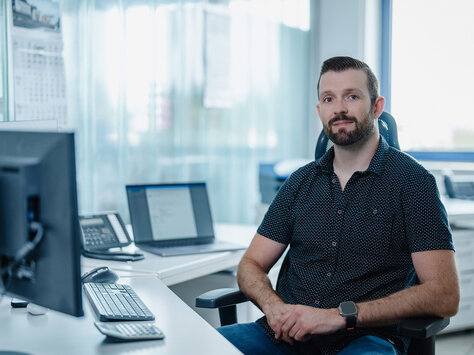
(101, 232)
(459, 185)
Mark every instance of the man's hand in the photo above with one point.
(277, 314)
(297, 322)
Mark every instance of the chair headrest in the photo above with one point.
(387, 129)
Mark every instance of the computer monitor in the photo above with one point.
(39, 229)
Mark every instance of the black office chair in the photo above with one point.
(420, 330)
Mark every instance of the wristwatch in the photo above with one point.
(348, 310)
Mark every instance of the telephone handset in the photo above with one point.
(103, 231)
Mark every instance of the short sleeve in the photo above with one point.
(277, 222)
(426, 220)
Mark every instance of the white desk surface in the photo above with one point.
(55, 333)
(176, 269)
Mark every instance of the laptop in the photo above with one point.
(173, 219)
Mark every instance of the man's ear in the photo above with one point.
(319, 113)
(378, 106)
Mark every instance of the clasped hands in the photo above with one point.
(297, 322)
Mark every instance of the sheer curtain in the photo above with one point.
(165, 91)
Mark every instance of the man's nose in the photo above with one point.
(340, 107)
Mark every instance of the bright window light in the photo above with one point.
(432, 71)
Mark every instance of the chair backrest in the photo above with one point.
(387, 129)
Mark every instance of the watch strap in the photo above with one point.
(351, 322)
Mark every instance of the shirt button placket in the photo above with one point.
(338, 223)
(336, 228)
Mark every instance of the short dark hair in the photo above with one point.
(339, 64)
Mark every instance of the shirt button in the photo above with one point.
(316, 302)
(374, 211)
(333, 181)
(333, 244)
(339, 211)
(328, 274)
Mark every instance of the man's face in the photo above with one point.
(345, 108)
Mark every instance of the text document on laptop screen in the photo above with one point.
(171, 213)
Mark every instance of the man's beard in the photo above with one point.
(341, 137)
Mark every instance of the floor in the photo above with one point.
(459, 343)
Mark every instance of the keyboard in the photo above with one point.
(130, 331)
(116, 302)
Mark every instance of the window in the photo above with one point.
(163, 91)
(432, 71)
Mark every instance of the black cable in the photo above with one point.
(30, 246)
(24, 251)
(112, 255)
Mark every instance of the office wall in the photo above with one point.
(341, 27)
(350, 28)
(3, 63)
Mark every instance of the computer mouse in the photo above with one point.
(35, 310)
(100, 274)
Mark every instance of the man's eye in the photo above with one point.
(327, 99)
(353, 97)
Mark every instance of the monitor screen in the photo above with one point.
(39, 229)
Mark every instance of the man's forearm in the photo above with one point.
(415, 301)
(436, 295)
(254, 282)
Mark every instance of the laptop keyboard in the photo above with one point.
(116, 302)
(180, 243)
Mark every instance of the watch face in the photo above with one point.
(348, 308)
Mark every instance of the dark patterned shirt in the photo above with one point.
(356, 244)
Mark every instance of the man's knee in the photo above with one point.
(250, 338)
(232, 331)
(242, 332)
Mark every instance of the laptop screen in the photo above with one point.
(169, 212)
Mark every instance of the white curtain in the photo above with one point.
(165, 91)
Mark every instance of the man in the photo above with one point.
(359, 223)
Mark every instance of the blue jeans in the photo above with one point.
(251, 339)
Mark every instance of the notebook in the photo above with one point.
(173, 219)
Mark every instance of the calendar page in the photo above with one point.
(38, 68)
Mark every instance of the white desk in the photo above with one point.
(56, 333)
(176, 269)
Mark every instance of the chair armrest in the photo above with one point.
(422, 327)
(222, 297)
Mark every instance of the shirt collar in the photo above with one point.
(377, 164)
